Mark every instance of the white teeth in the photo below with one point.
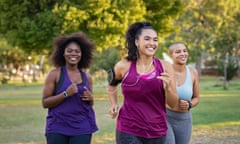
(151, 49)
(73, 58)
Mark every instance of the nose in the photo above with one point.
(153, 42)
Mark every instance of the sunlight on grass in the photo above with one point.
(226, 129)
(220, 124)
(218, 94)
(217, 133)
(19, 102)
(104, 139)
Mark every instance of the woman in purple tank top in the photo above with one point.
(147, 84)
(67, 92)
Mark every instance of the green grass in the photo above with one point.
(22, 118)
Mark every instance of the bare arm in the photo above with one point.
(195, 97)
(48, 99)
(169, 84)
(120, 69)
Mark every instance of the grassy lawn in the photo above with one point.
(215, 120)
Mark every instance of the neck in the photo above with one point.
(145, 60)
(179, 68)
(72, 67)
(145, 64)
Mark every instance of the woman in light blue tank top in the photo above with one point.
(179, 118)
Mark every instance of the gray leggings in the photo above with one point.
(179, 127)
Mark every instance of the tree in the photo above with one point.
(33, 24)
(208, 27)
(231, 67)
(11, 56)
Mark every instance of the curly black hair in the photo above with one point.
(60, 43)
(133, 32)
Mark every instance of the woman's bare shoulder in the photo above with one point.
(122, 65)
(193, 72)
(54, 74)
(166, 65)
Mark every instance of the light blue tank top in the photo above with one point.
(185, 91)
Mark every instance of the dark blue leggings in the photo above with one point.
(56, 138)
(123, 138)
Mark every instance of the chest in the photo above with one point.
(180, 78)
(75, 77)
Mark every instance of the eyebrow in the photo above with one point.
(147, 36)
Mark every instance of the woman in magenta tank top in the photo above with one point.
(67, 92)
(147, 84)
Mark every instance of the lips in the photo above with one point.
(183, 58)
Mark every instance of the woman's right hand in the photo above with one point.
(72, 89)
(113, 111)
(183, 105)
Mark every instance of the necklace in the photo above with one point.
(146, 68)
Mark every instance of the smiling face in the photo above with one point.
(72, 53)
(147, 42)
(179, 53)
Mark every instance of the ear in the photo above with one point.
(136, 43)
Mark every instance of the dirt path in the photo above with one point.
(224, 135)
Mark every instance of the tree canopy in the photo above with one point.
(207, 27)
(31, 25)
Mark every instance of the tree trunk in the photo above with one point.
(199, 66)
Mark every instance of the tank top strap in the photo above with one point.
(84, 78)
(188, 76)
(59, 83)
(158, 65)
(133, 67)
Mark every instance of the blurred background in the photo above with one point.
(209, 28)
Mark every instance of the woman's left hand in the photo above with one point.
(87, 95)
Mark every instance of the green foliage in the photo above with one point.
(11, 55)
(105, 59)
(32, 25)
(208, 27)
(162, 14)
(232, 67)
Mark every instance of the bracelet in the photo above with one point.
(65, 95)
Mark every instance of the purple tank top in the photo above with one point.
(143, 112)
(73, 116)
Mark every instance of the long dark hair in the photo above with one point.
(133, 33)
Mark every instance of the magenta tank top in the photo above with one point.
(143, 112)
